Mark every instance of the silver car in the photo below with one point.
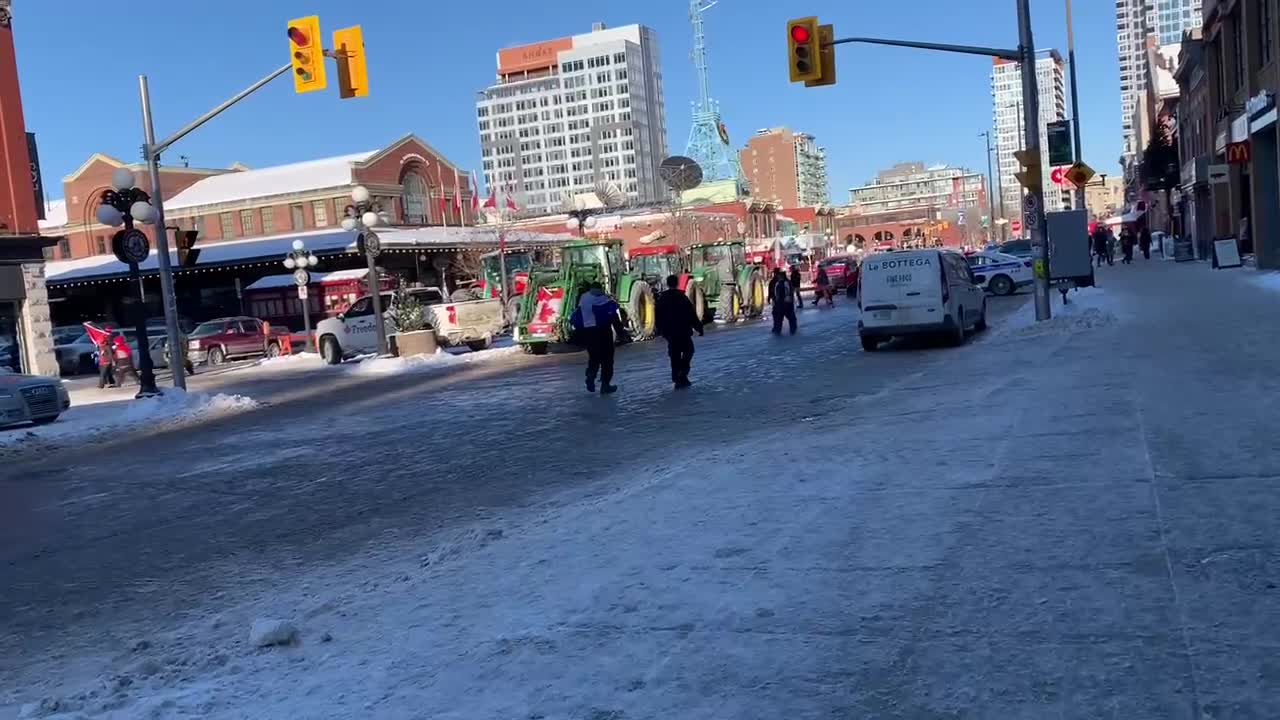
(31, 398)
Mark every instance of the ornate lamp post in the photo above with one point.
(580, 221)
(124, 204)
(298, 260)
(364, 215)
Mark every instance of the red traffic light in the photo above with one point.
(1058, 175)
(800, 33)
(298, 37)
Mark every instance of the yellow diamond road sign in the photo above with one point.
(1079, 174)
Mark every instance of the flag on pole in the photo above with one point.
(511, 198)
(475, 195)
(492, 201)
(443, 200)
(457, 194)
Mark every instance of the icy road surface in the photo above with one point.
(1064, 521)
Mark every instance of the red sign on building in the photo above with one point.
(1239, 153)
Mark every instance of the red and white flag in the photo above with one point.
(475, 194)
(511, 198)
(457, 193)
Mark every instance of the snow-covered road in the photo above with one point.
(1065, 521)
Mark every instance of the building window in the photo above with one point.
(414, 199)
(295, 217)
(64, 248)
(228, 228)
(1265, 30)
(246, 222)
(268, 220)
(320, 209)
(100, 244)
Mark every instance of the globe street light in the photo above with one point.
(123, 204)
(363, 215)
(298, 260)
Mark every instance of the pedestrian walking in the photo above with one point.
(795, 286)
(1111, 246)
(677, 320)
(784, 305)
(823, 283)
(106, 366)
(596, 320)
(1127, 241)
(122, 356)
(1144, 242)
(1100, 241)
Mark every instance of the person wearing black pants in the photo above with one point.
(795, 289)
(784, 306)
(677, 320)
(600, 351)
(596, 319)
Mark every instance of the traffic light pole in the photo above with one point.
(1075, 104)
(1033, 202)
(151, 151)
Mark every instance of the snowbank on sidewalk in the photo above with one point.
(1088, 308)
(417, 363)
(90, 422)
(1267, 280)
(286, 362)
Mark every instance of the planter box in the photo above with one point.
(422, 342)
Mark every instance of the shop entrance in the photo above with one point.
(10, 337)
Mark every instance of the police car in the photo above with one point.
(1000, 273)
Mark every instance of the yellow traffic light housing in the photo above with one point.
(827, 55)
(1030, 176)
(306, 52)
(348, 50)
(804, 56)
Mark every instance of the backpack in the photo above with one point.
(782, 292)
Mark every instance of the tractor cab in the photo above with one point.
(653, 264)
(519, 263)
(598, 261)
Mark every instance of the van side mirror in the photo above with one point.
(342, 316)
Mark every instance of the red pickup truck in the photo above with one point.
(233, 338)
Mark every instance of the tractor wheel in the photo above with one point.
(640, 311)
(755, 297)
(730, 309)
(698, 298)
(539, 348)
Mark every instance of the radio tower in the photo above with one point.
(708, 138)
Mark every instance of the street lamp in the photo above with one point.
(123, 204)
(363, 215)
(298, 260)
(580, 221)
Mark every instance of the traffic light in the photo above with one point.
(185, 241)
(353, 76)
(827, 53)
(1029, 176)
(805, 50)
(306, 54)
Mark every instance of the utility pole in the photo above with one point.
(1033, 201)
(1075, 103)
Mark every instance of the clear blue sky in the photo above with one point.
(428, 59)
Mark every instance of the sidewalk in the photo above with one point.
(1073, 520)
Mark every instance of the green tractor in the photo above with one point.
(552, 294)
(655, 262)
(734, 288)
(518, 263)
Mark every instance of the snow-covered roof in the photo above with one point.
(55, 214)
(211, 253)
(268, 181)
(443, 238)
(279, 281)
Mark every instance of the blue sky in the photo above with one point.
(428, 59)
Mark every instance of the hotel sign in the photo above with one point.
(532, 57)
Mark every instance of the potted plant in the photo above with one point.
(414, 335)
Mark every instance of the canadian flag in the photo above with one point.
(511, 198)
(457, 192)
(475, 194)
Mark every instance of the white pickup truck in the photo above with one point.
(473, 323)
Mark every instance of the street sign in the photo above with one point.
(372, 245)
(302, 291)
(1219, 174)
(1015, 226)
(301, 277)
(1079, 174)
(1058, 137)
(1058, 175)
(131, 246)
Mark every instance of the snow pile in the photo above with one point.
(266, 632)
(1088, 309)
(285, 362)
(1266, 280)
(90, 422)
(440, 358)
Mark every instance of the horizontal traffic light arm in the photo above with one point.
(186, 129)
(1003, 54)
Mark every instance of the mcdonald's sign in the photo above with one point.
(1238, 153)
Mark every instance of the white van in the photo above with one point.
(911, 292)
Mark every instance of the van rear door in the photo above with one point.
(902, 288)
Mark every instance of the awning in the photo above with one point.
(286, 280)
(1132, 216)
(216, 254)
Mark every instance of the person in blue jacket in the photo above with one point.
(596, 319)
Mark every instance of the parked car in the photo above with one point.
(913, 292)
(31, 398)
(233, 338)
(474, 323)
(1018, 247)
(73, 350)
(842, 271)
(1000, 274)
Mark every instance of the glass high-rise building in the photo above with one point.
(1166, 20)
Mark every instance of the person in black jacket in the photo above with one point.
(795, 286)
(677, 320)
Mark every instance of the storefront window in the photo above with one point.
(10, 348)
(414, 199)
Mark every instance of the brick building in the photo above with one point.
(747, 219)
(786, 168)
(26, 344)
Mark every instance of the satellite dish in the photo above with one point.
(611, 196)
(680, 173)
